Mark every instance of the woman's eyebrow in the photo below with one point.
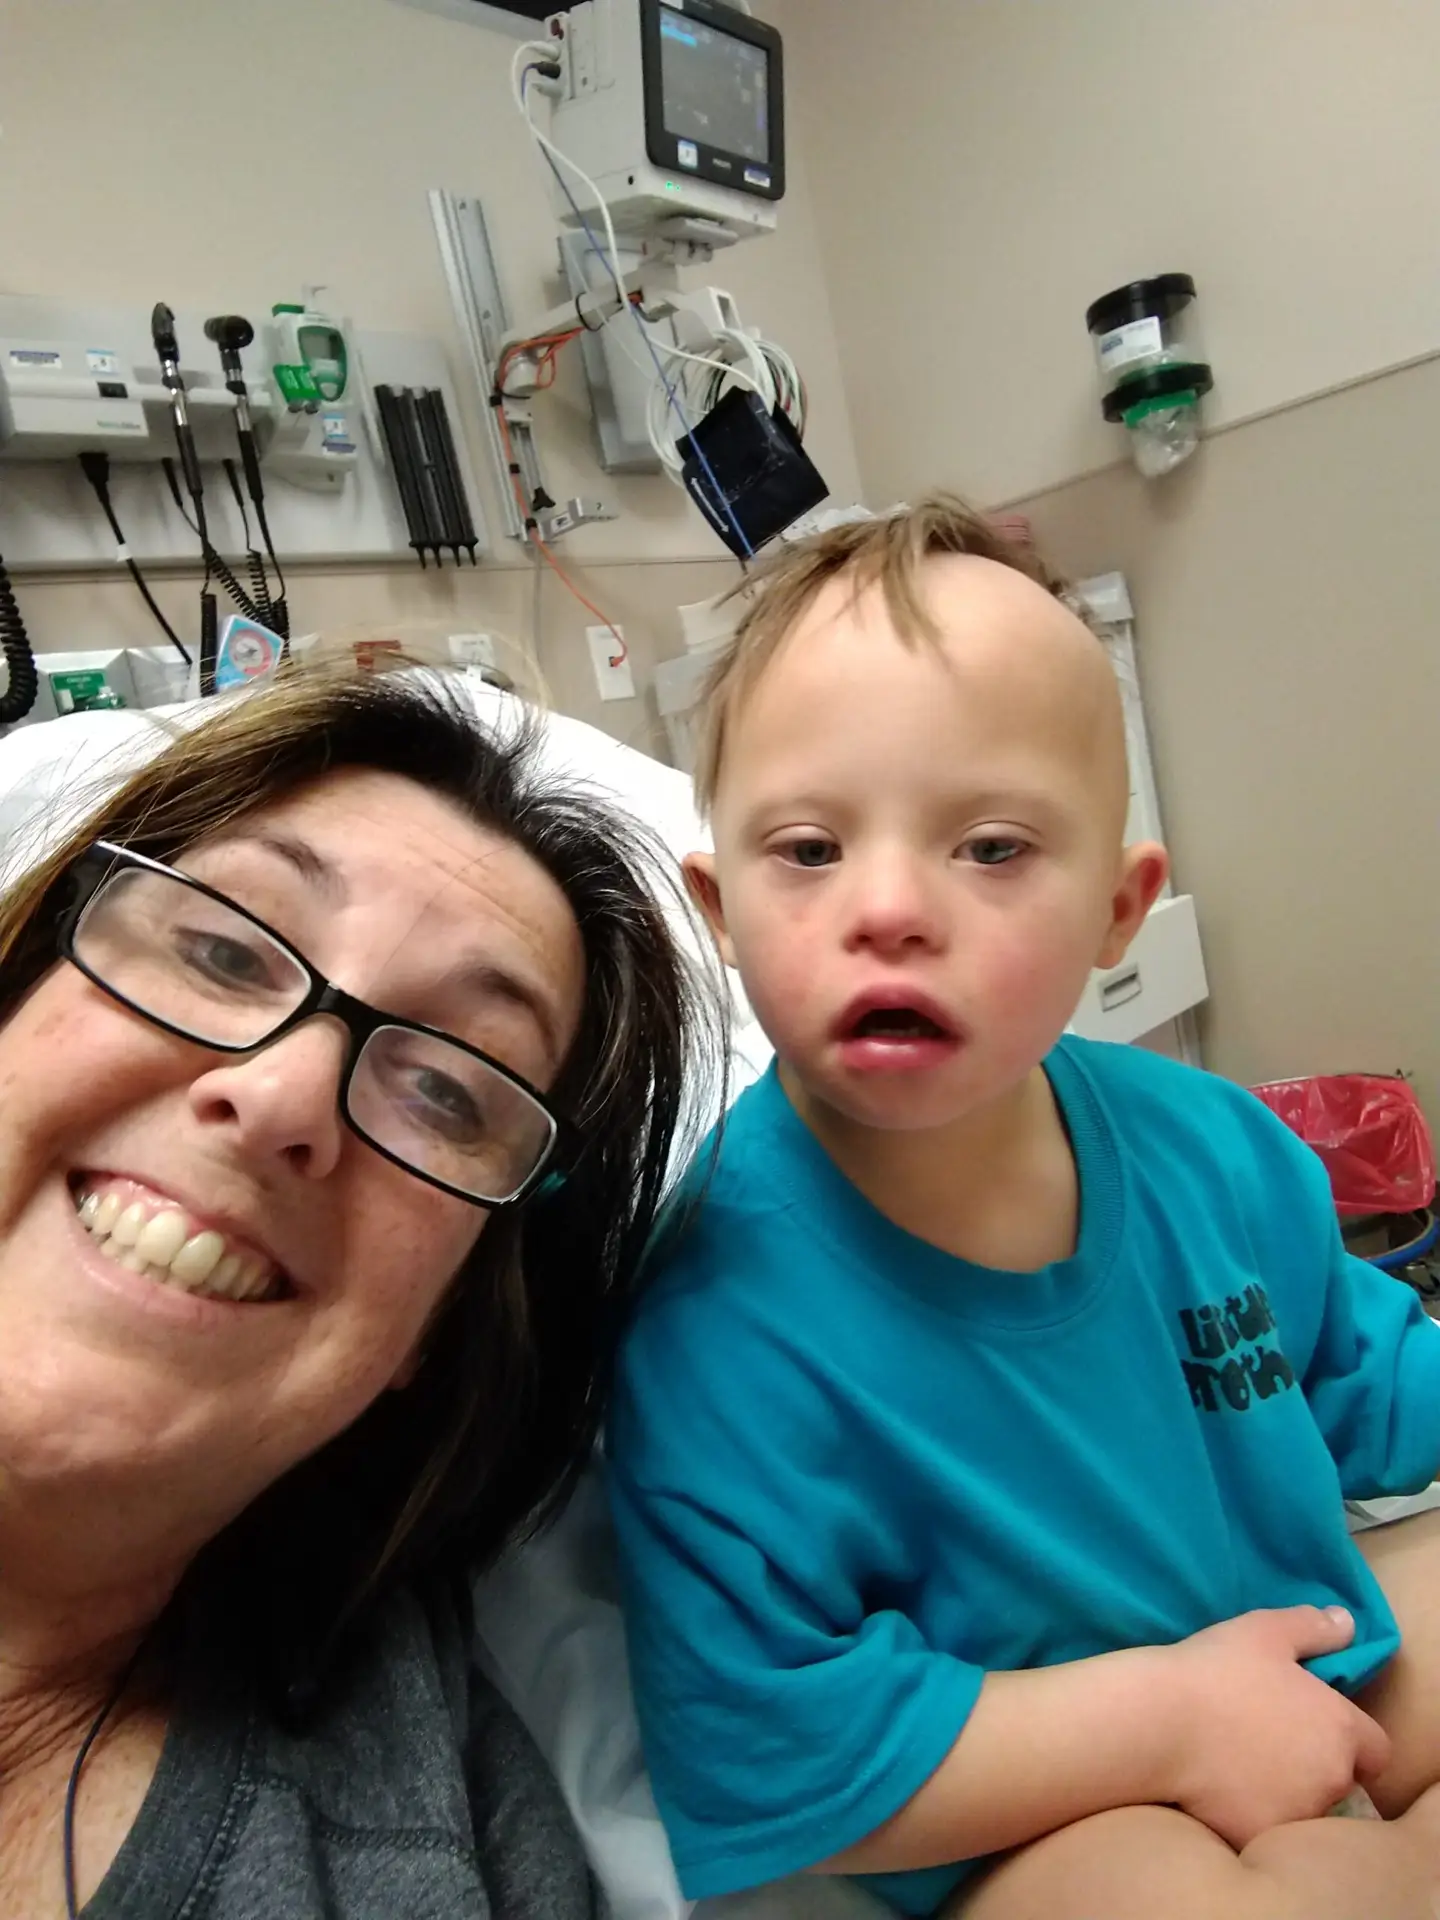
(312, 867)
(498, 983)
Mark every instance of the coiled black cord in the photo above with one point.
(216, 564)
(19, 696)
(274, 612)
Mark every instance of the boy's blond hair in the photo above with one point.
(890, 552)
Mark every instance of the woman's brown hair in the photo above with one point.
(487, 1440)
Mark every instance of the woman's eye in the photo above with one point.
(994, 850)
(223, 958)
(444, 1103)
(811, 853)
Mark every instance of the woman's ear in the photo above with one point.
(704, 885)
(1144, 869)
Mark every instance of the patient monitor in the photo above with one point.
(676, 111)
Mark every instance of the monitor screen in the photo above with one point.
(716, 88)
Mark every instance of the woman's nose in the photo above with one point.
(895, 906)
(282, 1101)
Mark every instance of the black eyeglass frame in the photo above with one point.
(101, 860)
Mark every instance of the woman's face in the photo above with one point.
(396, 896)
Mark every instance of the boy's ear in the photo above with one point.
(704, 885)
(1144, 869)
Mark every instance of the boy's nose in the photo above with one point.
(895, 908)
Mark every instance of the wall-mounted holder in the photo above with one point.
(1153, 371)
(478, 302)
(325, 502)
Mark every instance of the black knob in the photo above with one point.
(230, 331)
(162, 332)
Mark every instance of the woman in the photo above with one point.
(305, 1307)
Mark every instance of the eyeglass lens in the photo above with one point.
(209, 970)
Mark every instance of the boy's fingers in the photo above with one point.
(1315, 1630)
(1372, 1747)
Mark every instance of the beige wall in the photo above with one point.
(1287, 593)
(222, 154)
(983, 169)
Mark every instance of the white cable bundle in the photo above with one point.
(741, 359)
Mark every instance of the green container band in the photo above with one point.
(1165, 402)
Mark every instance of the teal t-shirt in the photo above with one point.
(851, 1473)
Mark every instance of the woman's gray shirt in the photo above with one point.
(416, 1795)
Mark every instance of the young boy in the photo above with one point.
(1001, 1379)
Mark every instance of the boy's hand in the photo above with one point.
(1266, 1742)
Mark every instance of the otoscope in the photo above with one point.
(231, 332)
(167, 351)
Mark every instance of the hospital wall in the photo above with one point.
(221, 156)
(984, 169)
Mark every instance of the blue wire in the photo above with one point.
(670, 393)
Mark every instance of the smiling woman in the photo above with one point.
(343, 1060)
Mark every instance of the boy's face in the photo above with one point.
(918, 851)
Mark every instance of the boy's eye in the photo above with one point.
(810, 853)
(994, 850)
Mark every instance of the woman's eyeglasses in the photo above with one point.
(194, 963)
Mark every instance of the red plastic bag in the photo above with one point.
(1369, 1131)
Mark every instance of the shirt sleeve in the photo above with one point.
(1373, 1380)
(785, 1713)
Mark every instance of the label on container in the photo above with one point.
(102, 360)
(1136, 340)
(35, 357)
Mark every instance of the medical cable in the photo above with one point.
(231, 332)
(673, 399)
(167, 351)
(24, 681)
(95, 465)
(254, 559)
(541, 547)
(774, 375)
(217, 567)
(551, 153)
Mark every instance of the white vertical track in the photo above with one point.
(479, 307)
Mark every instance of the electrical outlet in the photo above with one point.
(614, 682)
(473, 649)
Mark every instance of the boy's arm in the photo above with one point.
(778, 1738)
(1226, 1725)
(1373, 1380)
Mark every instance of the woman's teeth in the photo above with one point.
(152, 1238)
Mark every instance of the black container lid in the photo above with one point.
(1195, 378)
(1154, 299)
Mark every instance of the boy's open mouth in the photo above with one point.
(890, 1029)
(897, 1023)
